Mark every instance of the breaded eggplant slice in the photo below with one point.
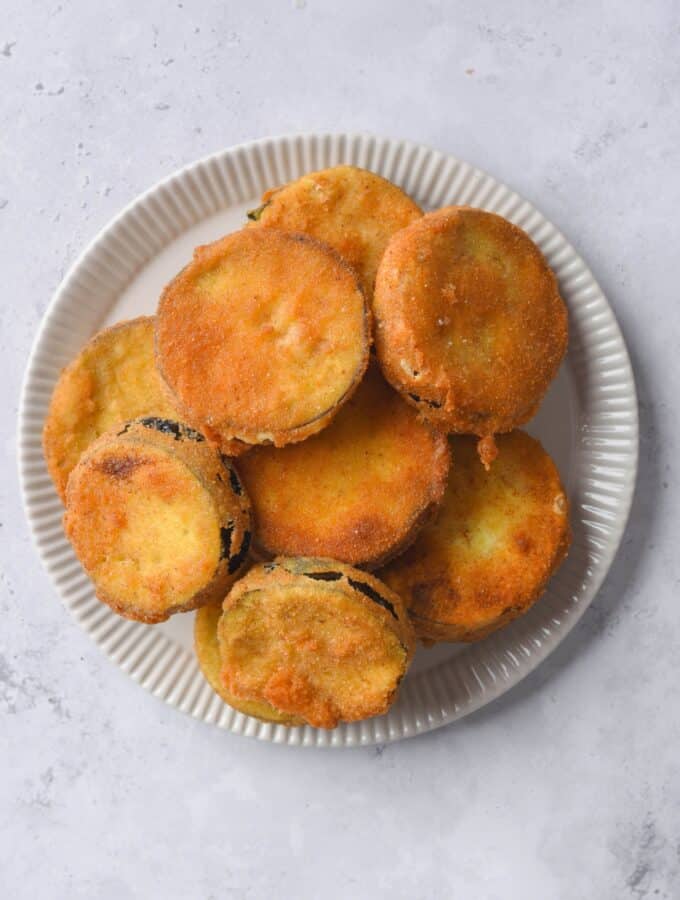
(469, 323)
(359, 491)
(354, 211)
(316, 639)
(158, 518)
(113, 379)
(208, 655)
(263, 336)
(498, 538)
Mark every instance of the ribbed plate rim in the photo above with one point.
(421, 708)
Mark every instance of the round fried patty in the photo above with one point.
(498, 538)
(315, 639)
(469, 323)
(158, 518)
(263, 336)
(359, 491)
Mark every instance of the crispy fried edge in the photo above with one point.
(231, 447)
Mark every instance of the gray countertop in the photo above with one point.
(569, 786)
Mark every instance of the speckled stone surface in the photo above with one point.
(569, 786)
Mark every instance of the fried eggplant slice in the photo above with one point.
(354, 211)
(208, 655)
(158, 518)
(469, 323)
(359, 491)
(498, 538)
(263, 336)
(316, 639)
(113, 379)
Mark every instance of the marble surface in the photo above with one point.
(569, 786)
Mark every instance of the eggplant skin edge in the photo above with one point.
(115, 457)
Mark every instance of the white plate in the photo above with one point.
(588, 422)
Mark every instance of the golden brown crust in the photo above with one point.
(160, 522)
(230, 447)
(470, 326)
(263, 336)
(359, 491)
(498, 538)
(316, 639)
(113, 379)
(208, 655)
(354, 211)
(487, 450)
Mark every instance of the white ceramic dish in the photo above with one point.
(588, 422)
